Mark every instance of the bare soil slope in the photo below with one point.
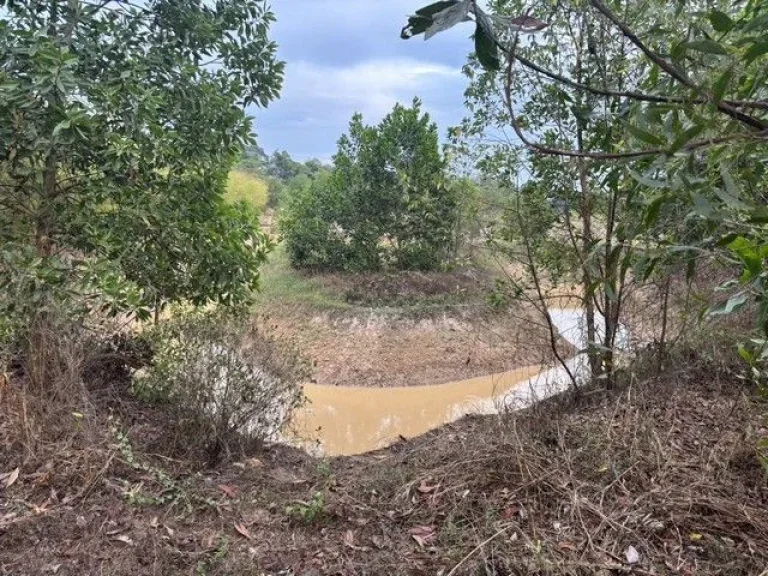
(652, 478)
(406, 328)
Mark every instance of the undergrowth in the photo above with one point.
(660, 475)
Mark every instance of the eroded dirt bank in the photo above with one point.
(379, 347)
(406, 328)
(655, 477)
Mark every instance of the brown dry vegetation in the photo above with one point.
(661, 467)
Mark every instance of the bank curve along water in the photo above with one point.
(345, 420)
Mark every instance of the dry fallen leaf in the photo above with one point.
(632, 555)
(243, 531)
(124, 539)
(426, 488)
(230, 491)
(423, 535)
(510, 512)
(10, 478)
(42, 509)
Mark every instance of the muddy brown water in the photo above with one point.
(346, 420)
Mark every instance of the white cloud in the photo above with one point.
(344, 57)
(318, 100)
(372, 87)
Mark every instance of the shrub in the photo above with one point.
(313, 237)
(385, 204)
(225, 383)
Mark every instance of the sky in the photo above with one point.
(346, 56)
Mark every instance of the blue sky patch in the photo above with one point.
(346, 56)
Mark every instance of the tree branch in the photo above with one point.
(551, 151)
(633, 95)
(672, 71)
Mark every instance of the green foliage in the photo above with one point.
(310, 511)
(307, 222)
(33, 288)
(213, 254)
(275, 191)
(280, 171)
(167, 490)
(656, 134)
(116, 139)
(225, 381)
(386, 203)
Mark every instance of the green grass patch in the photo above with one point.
(280, 282)
(247, 187)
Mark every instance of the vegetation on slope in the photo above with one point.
(650, 478)
(129, 453)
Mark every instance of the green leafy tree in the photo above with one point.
(119, 123)
(662, 105)
(387, 202)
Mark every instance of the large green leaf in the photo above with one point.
(755, 51)
(751, 255)
(706, 46)
(733, 304)
(448, 18)
(721, 84)
(436, 18)
(645, 136)
(432, 9)
(721, 22)
(485, 42)
(416, 25)
(732, 193)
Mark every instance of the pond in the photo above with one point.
(346, 420)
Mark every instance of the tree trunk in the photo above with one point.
(585, 209)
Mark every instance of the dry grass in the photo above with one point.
(663, 467)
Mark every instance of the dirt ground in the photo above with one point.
(409, 329)
(380, 348)
(659, 477)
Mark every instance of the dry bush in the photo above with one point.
(52, 406)
(46, 395)
(224, 383)
(663, 465)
